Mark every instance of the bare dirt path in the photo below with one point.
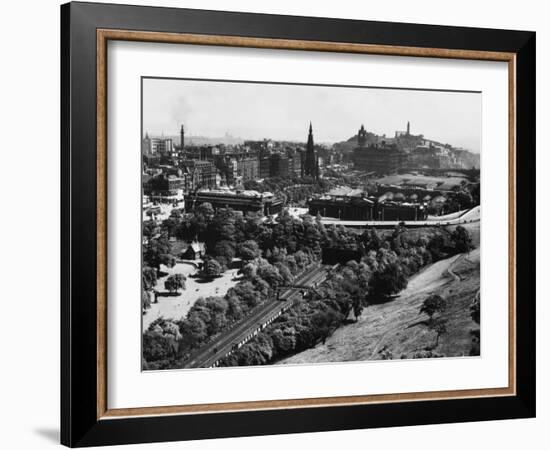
(430, 277)
(418, 279)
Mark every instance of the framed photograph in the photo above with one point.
(276, 224)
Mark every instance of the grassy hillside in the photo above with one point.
(395, 329)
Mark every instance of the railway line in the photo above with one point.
(246, 329)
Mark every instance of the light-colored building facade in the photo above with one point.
(157, 146)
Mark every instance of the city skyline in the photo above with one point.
(255, 111)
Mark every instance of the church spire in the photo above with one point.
(311, 167)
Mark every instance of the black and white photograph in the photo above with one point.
(301, 224)
(275, 225)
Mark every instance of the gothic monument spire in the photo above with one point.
(311, 166)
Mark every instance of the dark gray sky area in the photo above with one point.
(283, 112)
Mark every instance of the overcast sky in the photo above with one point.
(283, 112)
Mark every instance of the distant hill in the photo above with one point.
(203, 140)
(449, 156)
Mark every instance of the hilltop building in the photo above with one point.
(380, 158)
(404, 133)
(362, 136)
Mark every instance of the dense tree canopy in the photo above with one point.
(157, 252)
(461, 239)
(433, 304)
(148, 281)
(274, 254)
(348, 290)
(148, 277)
(211, 269)
(249, 250)
(175, 282)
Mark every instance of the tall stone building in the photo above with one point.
(278, 165)
(295, 163)
(379, 158)
(264, 165)
(248, 168)
(156, 146)
(200, 174)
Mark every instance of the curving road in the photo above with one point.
(468, 216)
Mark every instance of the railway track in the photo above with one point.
(246, 329)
